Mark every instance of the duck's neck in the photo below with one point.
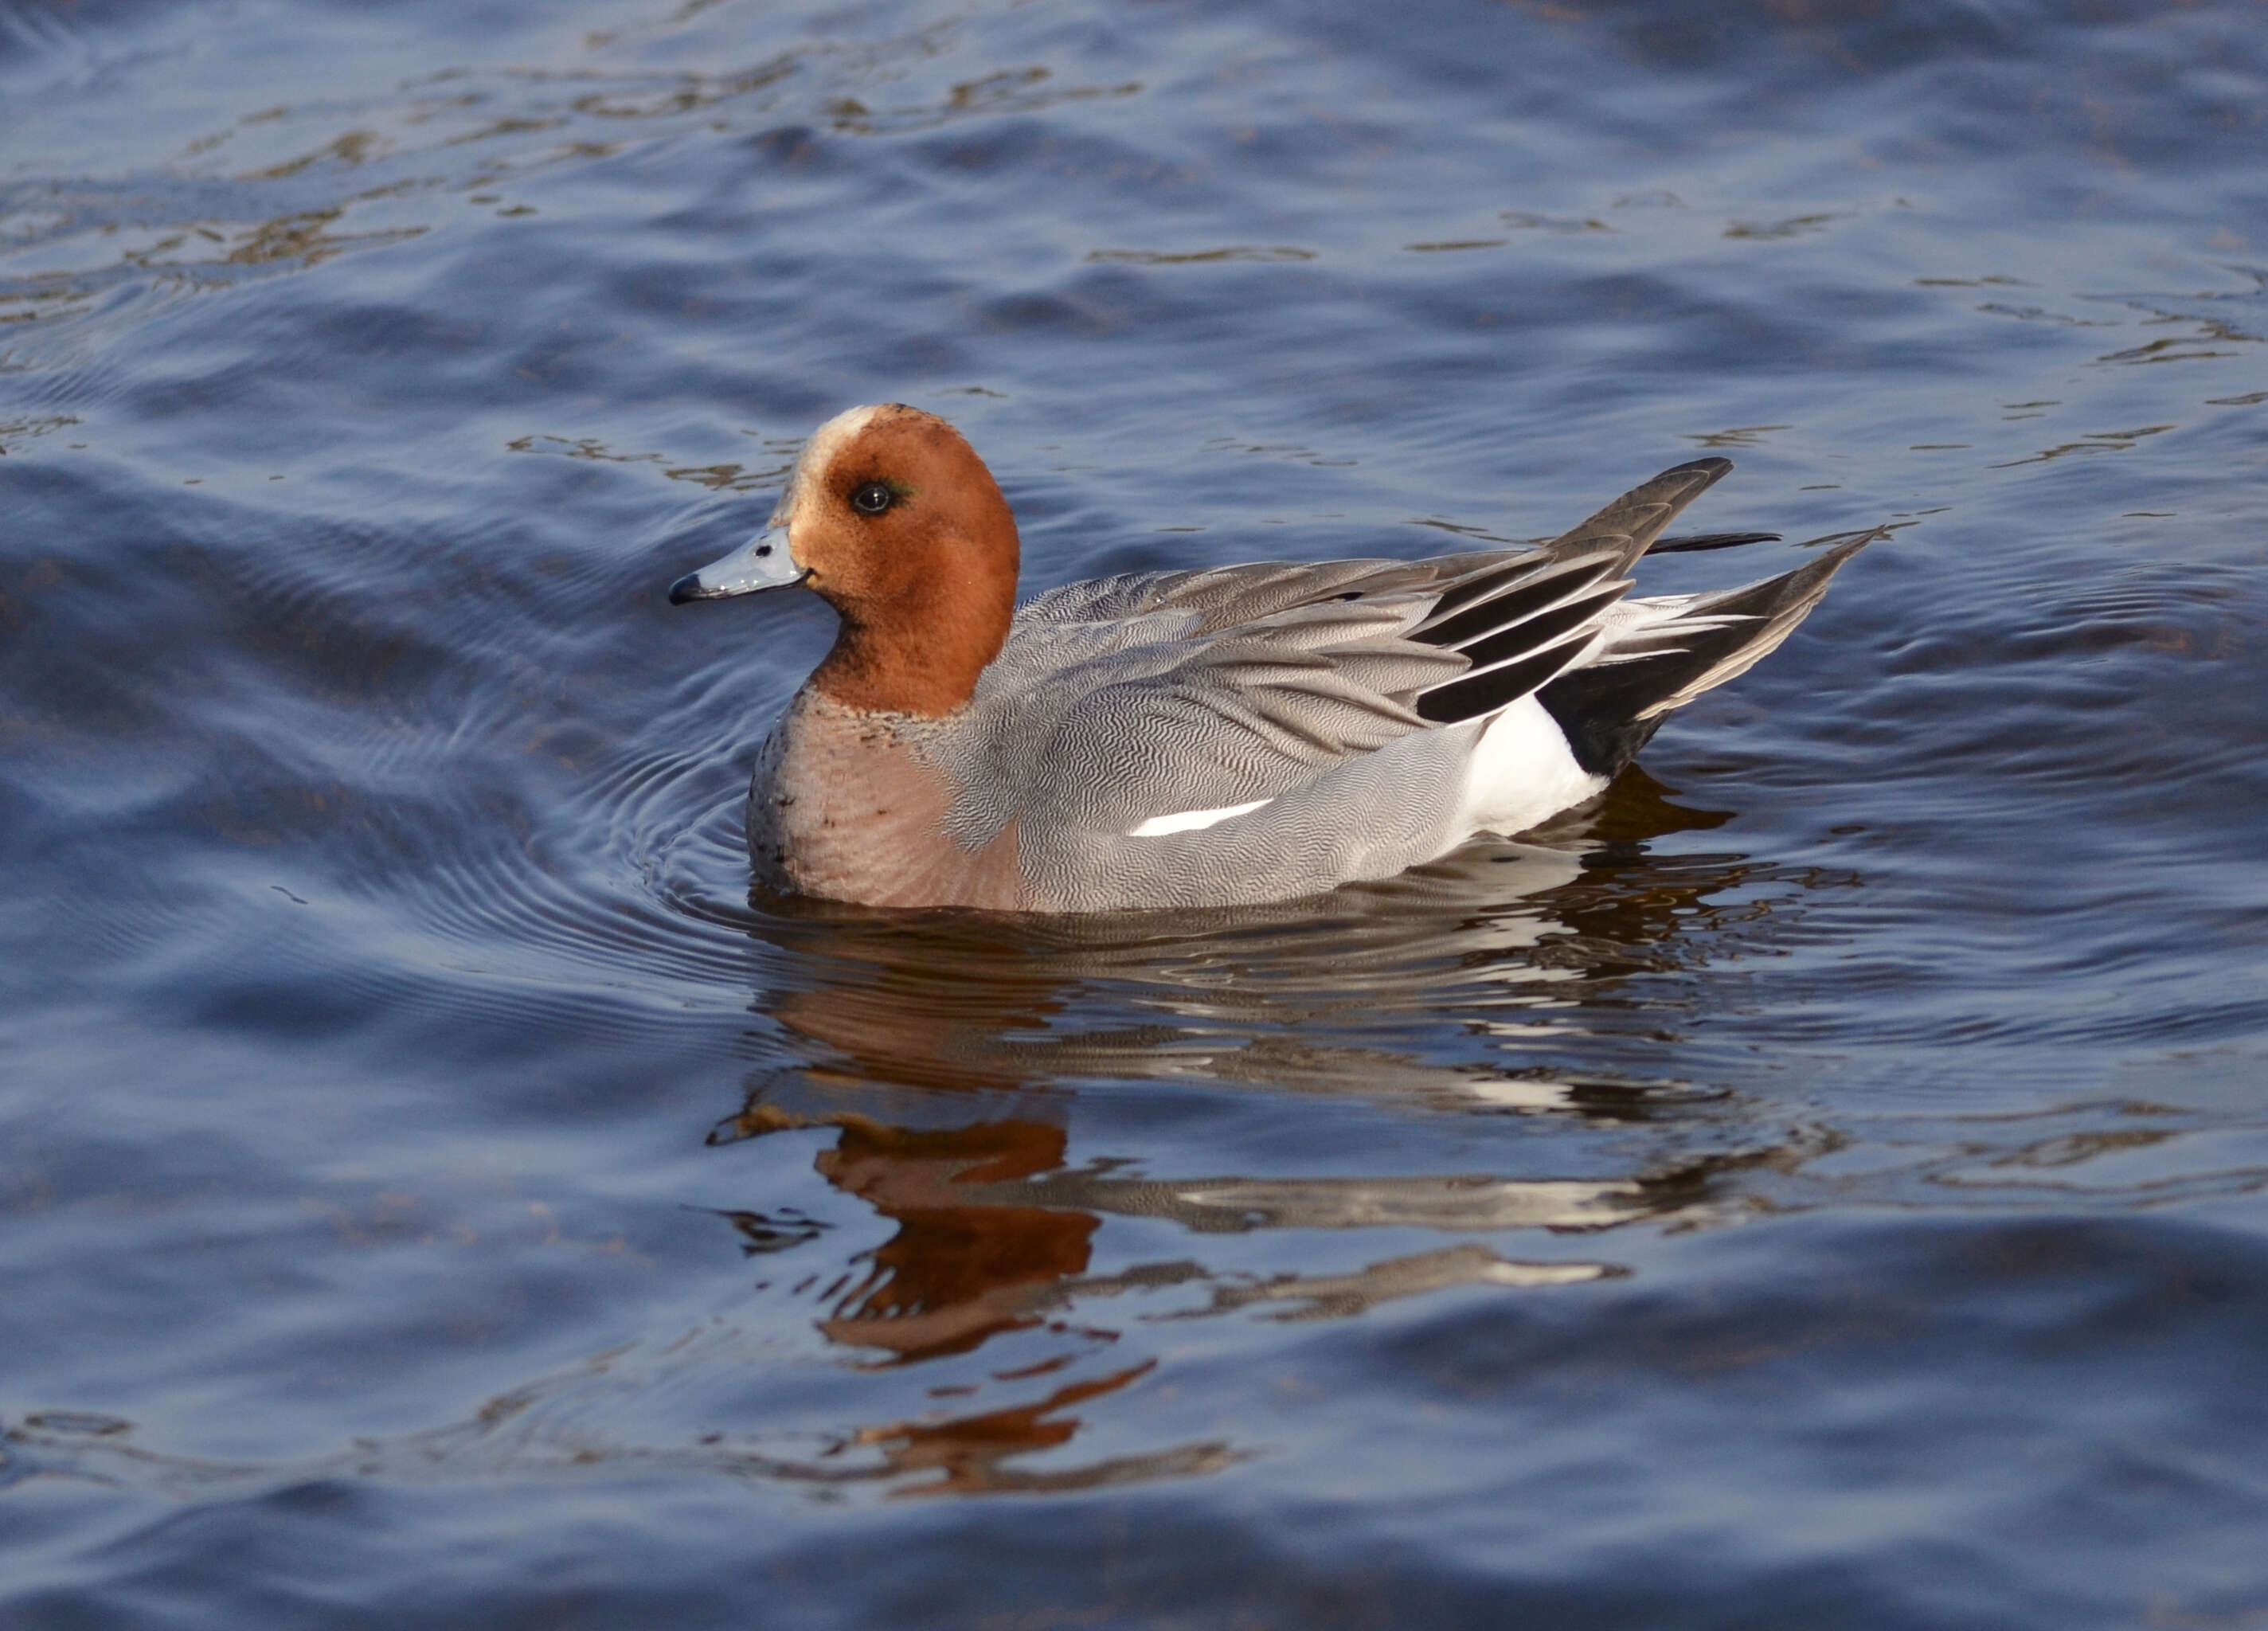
(922, 660)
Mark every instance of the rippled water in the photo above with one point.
(1823, 1185)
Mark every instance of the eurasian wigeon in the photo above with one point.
(1224, 736)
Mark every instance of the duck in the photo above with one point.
(1213, 736)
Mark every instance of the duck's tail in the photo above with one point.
(1557, 623)
(1662, 654)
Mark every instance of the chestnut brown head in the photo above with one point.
(894, 521)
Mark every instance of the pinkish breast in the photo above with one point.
(846, 805)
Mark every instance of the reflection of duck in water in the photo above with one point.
(996, 1235)
(943, 1060)
(966, 1260)
(944, 1052)
(1241, 734)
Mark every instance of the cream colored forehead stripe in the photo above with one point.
(827, 441)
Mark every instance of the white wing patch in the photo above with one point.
(1192, 821)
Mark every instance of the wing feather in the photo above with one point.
(1151, 695)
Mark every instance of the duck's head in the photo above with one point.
(894, 521)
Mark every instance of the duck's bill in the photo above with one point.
(764, 562)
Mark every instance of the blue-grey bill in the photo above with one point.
(765, 562)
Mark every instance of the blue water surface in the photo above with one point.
(1821, 1186)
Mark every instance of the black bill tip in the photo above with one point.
(688, 588)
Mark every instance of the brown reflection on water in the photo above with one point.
(955, 1272)
(969, 1454)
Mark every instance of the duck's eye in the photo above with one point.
(872, 498)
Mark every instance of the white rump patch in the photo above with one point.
(1522, 771)
(1192, 821)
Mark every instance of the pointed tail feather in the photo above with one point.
(1610, 707)
(1630, 525)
